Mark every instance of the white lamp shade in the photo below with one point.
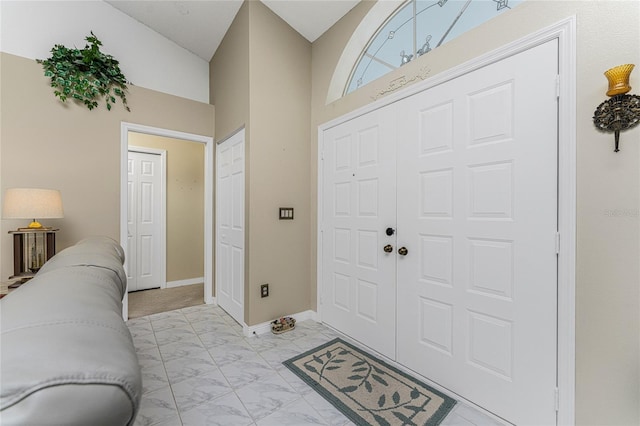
(32, 203)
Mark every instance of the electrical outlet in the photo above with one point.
(264, 290)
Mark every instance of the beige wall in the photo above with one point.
(185, 204)
(229, 89)
(229, 75)
(608, 252)
(44, 143)
(280, 80)
(273, 101)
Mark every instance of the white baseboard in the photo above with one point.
(189, 281)
(211, 301)
(265, 327)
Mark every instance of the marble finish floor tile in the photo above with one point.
(327, 411)
(277, 355)
(149, 356)
(156, 407)
(154, 377)
(179, 350)
(140, 329)
(298, 413)
(198, 368)
(220, 337)
(148, 341)
(266, 395)
(195, 365)
(200, 390)
(227, 410)
(296, 382)
(246, 371)
(231, 352)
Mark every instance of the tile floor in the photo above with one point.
(199, 369)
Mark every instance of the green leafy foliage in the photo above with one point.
(85, 75)
(381, 420)
(379, 379)
(368, 386)
(405, 420)
(311, 368)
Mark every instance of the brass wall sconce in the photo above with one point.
(620, 111)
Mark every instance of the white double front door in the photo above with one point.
(464, 178)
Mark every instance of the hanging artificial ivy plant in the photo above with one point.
(85, 75)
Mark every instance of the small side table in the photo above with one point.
(31, 249)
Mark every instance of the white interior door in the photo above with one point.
(358, 279)
(144, 221)
(477, 211)
(230, 159)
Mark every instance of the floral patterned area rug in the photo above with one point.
(368, 390)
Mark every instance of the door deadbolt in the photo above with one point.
(388, 248)
(390, 231)
(402, 251)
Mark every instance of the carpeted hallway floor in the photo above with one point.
(147, 302)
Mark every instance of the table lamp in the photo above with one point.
(32, 203)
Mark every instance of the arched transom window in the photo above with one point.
(417, 27)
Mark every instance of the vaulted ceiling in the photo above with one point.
(199, 26)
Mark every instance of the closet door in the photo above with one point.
(477, 212)
(230, 235)
(146, 263)
(359, 204)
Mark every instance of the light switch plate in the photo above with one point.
(286, 213)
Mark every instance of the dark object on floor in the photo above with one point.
(282, 325)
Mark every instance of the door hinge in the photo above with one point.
(558, 86)
(557, 398)
(557, 243)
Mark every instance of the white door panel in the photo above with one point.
(473, 304)
(230, 226)
(144, 221)
(359, 189)
(478, 215)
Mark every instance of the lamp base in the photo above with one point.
(35, 225)
(42, 228)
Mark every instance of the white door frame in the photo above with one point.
(565, 32)
(163, 207)
(209, 148)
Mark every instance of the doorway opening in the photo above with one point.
(131, 134)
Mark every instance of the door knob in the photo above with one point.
(402, 251)
(388, 248)
(390, 231)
